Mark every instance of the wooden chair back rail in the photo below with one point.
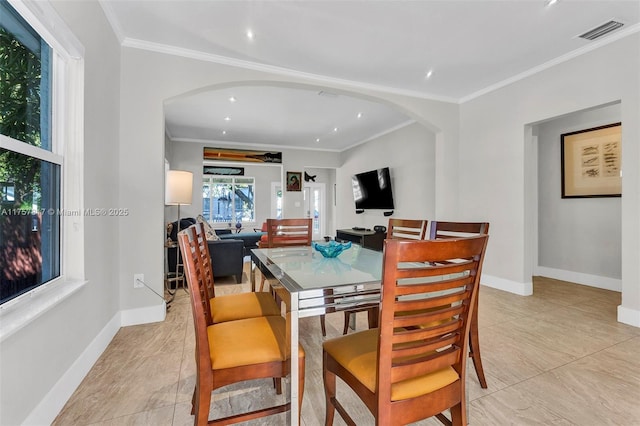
(413, 229)
(205, 259)
(424, 322)
(289, 232)
(457, 229)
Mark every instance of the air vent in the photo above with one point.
(603, 29)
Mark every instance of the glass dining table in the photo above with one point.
(310, 284)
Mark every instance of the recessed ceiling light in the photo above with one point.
(227, 118)
(250, 34)
(428, 74)
(359, 115)
(551, 2)
(224, 132)
(317, 139)
(232, 99)
(335, 129)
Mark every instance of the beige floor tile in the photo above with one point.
(558, 357)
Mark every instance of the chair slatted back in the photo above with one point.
(289, 232)
(200, 307)
(440, 230)
(407, 229)
(205, 257)
(429, 289)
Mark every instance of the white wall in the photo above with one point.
(188, 156)
(494, 155)
(410, 155)
(580, 235)
(149, 80)
(44, 362)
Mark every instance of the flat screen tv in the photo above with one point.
(372, 190)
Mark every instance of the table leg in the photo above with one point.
(253, 275)
(296, 401)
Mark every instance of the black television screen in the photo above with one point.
(372, 190)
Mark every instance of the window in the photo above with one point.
(228, 199)
(30, 165)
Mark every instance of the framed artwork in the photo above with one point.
(228, 171)
(592, 162)
(294, 181)
(244, 155)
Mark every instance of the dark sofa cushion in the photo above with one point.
(184, 224)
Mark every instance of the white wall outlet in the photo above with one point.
(138, 280)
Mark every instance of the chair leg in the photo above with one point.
(323, 326)
(372, 317)
(329, 392)
(459, 414)
(474, 348)
(347, 320)
(202, 403)
(301, 375)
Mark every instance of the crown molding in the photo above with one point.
(113, 20)
(224, 60)
(564, 58)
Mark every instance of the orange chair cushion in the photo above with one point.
(247, 342)
(358, 353)
(234, 307)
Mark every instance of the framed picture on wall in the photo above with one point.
(294, 182)
(592, 162)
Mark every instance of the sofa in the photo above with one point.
(227, 255)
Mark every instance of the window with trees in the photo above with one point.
(228, 199)
(30, 162)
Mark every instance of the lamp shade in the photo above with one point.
(179, 187)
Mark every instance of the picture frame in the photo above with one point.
(592, 162)
(294, 181)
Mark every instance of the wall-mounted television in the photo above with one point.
(372, 190)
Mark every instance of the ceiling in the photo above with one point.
(444, 50)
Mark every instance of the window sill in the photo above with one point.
(17, 313)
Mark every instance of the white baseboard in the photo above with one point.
(580, 278)
(145, 315)
(629, 316)
(49, 407)
(54, 401)
(522, 289)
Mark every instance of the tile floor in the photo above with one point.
(557, 357)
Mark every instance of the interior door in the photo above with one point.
(315, 207)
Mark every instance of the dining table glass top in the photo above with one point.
(304, 268)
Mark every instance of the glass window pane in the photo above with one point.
(29, 223)
(24, 81)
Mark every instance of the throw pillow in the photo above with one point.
(208, 230)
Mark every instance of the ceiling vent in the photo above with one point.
(603, 29)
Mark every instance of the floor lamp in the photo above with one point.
(178, 191)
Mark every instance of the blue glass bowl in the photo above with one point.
(332, 248)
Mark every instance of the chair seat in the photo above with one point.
(248, 342)
(357, 353)
(234, 307)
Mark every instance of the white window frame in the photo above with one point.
(67, 141)
(206, 178)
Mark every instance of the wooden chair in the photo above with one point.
(403, 229)
(230, 307)
(413, 366)
(443, 230)
(407, 229)
(222, 358)
(286, 233)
